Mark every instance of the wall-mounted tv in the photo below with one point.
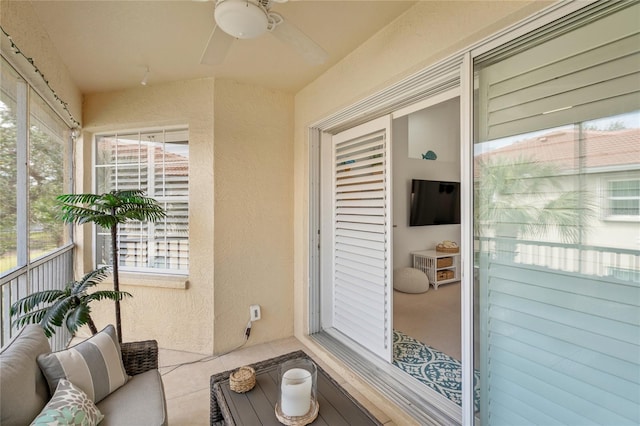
(434, 203)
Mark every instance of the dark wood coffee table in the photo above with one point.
(257, 406)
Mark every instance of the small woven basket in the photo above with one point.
(446, 274)
(444, 249)
(443, 262)
(242, 380)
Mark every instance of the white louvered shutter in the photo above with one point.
(362, 236)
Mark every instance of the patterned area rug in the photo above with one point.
(435, 369)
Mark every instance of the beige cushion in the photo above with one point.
(410, 280)
(94, 366)
(23, 389)
(140, 402)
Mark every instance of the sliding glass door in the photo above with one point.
(557, 222)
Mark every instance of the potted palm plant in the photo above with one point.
(71, 306)
(109, 210)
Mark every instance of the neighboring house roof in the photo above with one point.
(174, 164)
(601, 150)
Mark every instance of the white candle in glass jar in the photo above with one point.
(296, 392)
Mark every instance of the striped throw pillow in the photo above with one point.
(95, 365)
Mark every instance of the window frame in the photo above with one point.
(54, 267)
(608, 214)
(164, 199)
(27, 95)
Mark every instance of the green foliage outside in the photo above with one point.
(525, 199)
(46, 181)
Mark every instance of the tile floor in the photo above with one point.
(187, 386)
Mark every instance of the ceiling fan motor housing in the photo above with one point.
(242, 18)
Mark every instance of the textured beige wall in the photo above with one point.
(20, 21)
(253, 218)
(179, 319)
(428, 32)
(254, 212)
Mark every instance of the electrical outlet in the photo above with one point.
(254, 312)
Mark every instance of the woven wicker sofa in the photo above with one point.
(24, 390)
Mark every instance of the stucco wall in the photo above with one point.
(179, 319)
(426, 33)
(20, 21)
(254, 212)
(248, 259)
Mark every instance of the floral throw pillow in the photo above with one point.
(68, 406)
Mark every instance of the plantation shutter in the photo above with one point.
(588, 72)
(362, 236)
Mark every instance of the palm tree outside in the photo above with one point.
(520, 197)
(109, 210)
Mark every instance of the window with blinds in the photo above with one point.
(556, 155)
(156, 161)
(623, 199)
(587, 71)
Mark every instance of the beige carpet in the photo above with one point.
(432, 318)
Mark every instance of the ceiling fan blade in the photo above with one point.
(300, 42)
(217, 47)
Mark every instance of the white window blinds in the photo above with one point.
(558, 307)
(157, 162)
(586, 72)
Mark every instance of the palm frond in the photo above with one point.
(91, 279)
(79, 210)
(77, 198)
(77, 317)
(129, 193)
(566, 214)
(110, 199)
(33, 317)
(109, 209)
(29, 302)
(56, 313)
(150, 213)
(524, 196)
(49, 330)
(107, 294)
(139, 201)
(81, 215)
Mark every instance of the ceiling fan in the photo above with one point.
(246, 19)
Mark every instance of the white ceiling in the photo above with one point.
(108, 45)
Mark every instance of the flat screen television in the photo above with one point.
(434, 203)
